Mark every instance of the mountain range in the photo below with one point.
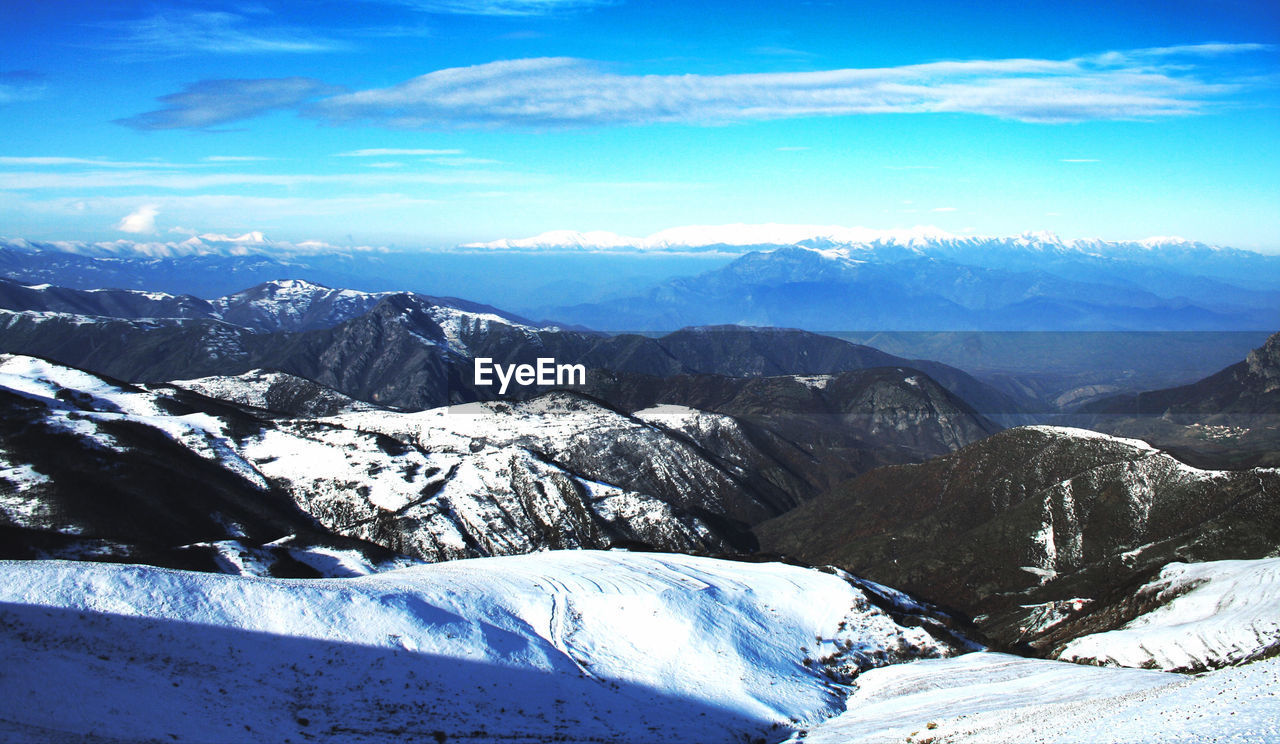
(217, 446)
(988, 286)
(817, 278)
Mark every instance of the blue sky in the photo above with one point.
(426, 123)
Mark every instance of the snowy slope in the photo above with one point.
(556, 472)
(86, 404)
(565, 646)
(582, 437)
(988, 698)
(1208, 615)
(275, 391)
(294, 305)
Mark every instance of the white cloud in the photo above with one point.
(32, 180)
(141, 221)
(453, 162)
(382, 152)
(559, 92)
(502, 7)
(944, 209)
(97, 162)
(179, 33)
(234, 158)
(565, 92)
(225, 207)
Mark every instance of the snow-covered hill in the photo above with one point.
(276, 392)
(563, 646)
(1205, 616)
(89, 458)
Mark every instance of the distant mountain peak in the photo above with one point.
(836, 241)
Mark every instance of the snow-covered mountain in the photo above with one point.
(276, 393)
(828, 280)
(97, 467)
(397, 349)
(94, 469)
(274, 306)
(878, 245)
(567, 646)
(1036, 530)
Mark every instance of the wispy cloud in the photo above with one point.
(1078, 160)
(384, 152)
(141, 221)
(209, 103)
(453, 162)
(234, 158)
(502, 7)
(227, 206)
(565, 92)
(20, 85)
(943, 209)
(57, 160)
(796, 148)
(560, 92)
(183, 181)
(780, 51)
(180, 33)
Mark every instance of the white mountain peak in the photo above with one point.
(741, 237)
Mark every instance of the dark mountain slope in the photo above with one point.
(1228, 419)
(402, 350)
(1248, 387)
(1013, 528)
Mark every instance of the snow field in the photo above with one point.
(618, 646)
